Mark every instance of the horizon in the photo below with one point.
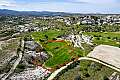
(62, 12)
(68, 6)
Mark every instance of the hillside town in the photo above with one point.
(24, 24)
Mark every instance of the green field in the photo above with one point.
(60, 55)
(60, 52)
(106, 38)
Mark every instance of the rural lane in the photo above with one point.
(54, 74)
(15, 64)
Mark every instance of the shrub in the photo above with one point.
(87, 75)
(54, 39)
(21, 66)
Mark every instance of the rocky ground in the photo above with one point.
(8, 53)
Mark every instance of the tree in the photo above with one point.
(98, 38)
(108, 37)
(105, 78)
(18, 49)
(46, 36)
(21, 66)
(41, 40)
(54, 39)
(87, 75)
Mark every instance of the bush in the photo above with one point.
(21, 66)
(46, 36)
(54, 39)
(98, 38)
(87, 75)
(108, 37)
(18, 49)
(105, 78)
(41, 40)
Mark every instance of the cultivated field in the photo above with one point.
(61, 52)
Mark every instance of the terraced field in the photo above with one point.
(61, 52)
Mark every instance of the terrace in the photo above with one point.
(61, 51)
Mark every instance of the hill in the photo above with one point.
(6, 12)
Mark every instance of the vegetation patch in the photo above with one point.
(106, 38)
(87, 70)
(61, 52)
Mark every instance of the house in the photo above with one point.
(88, 21)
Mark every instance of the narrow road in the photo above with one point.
(14, 67)
(15, 64)
(54, 74)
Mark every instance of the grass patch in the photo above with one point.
(105, 38)
(60, 52)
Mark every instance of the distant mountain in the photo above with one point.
(7, 12)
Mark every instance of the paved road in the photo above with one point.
(54, 74)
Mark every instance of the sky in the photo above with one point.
(72, 6)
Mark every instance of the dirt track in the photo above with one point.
(104, 55)
(107, 54)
